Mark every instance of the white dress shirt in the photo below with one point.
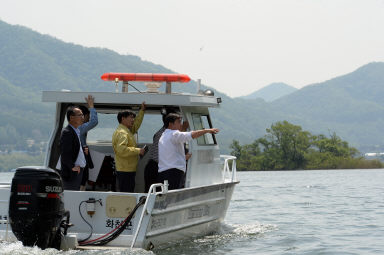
(171, 149)
(80, 161)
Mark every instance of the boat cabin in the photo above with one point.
(203, 168)
(107, 219)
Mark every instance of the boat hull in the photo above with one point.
(187, 213)
(168, 217)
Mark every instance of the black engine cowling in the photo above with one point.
(36, 209)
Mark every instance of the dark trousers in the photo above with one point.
(174, 177)
(150, 174)
(85, 176)
(88, 158)
(126, 181)
(74, 182)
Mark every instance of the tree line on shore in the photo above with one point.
(15, 160)
(287, 147)
(284, 147)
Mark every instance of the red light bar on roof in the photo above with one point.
(146, 77)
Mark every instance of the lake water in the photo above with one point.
(285, 212)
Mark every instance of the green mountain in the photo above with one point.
(31, 62)
(349, 105)
(272, 92)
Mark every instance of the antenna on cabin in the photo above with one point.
(117, 85)
(124, 89)
(168, 88)
(199, 91)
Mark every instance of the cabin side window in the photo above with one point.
(201, 121)
(104, 130)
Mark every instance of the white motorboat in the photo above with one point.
(103, 217)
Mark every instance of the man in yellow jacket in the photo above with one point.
(124, 146)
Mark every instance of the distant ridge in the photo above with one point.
(352, 105)
(272, 92)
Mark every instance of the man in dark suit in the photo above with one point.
(72, 157)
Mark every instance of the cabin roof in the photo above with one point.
(129, 98)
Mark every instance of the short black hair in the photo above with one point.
(71, 111)
(125, 114)
(171, 118)
(84, 109)
(167, 111)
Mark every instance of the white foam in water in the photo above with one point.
(247, 229)
(17, 248)
(254, 229)
(220, 242)
(235, 232)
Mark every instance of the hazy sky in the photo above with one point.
(234, 46)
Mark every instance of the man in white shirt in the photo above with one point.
(172, 161)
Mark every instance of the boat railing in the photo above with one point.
(152, 191)
(229, 173)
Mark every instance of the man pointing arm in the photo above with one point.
(172, 161)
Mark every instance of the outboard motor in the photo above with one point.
(36, 209)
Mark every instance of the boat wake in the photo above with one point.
(17, 248)
(246, 230)
(225, 239)
(228, 236)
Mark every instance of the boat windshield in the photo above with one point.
(201, 121)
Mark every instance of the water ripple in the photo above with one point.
(284, 213)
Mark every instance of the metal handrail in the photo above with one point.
(227, 172)
(152, 191)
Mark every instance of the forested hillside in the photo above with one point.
(31, 62)
(350, 105)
